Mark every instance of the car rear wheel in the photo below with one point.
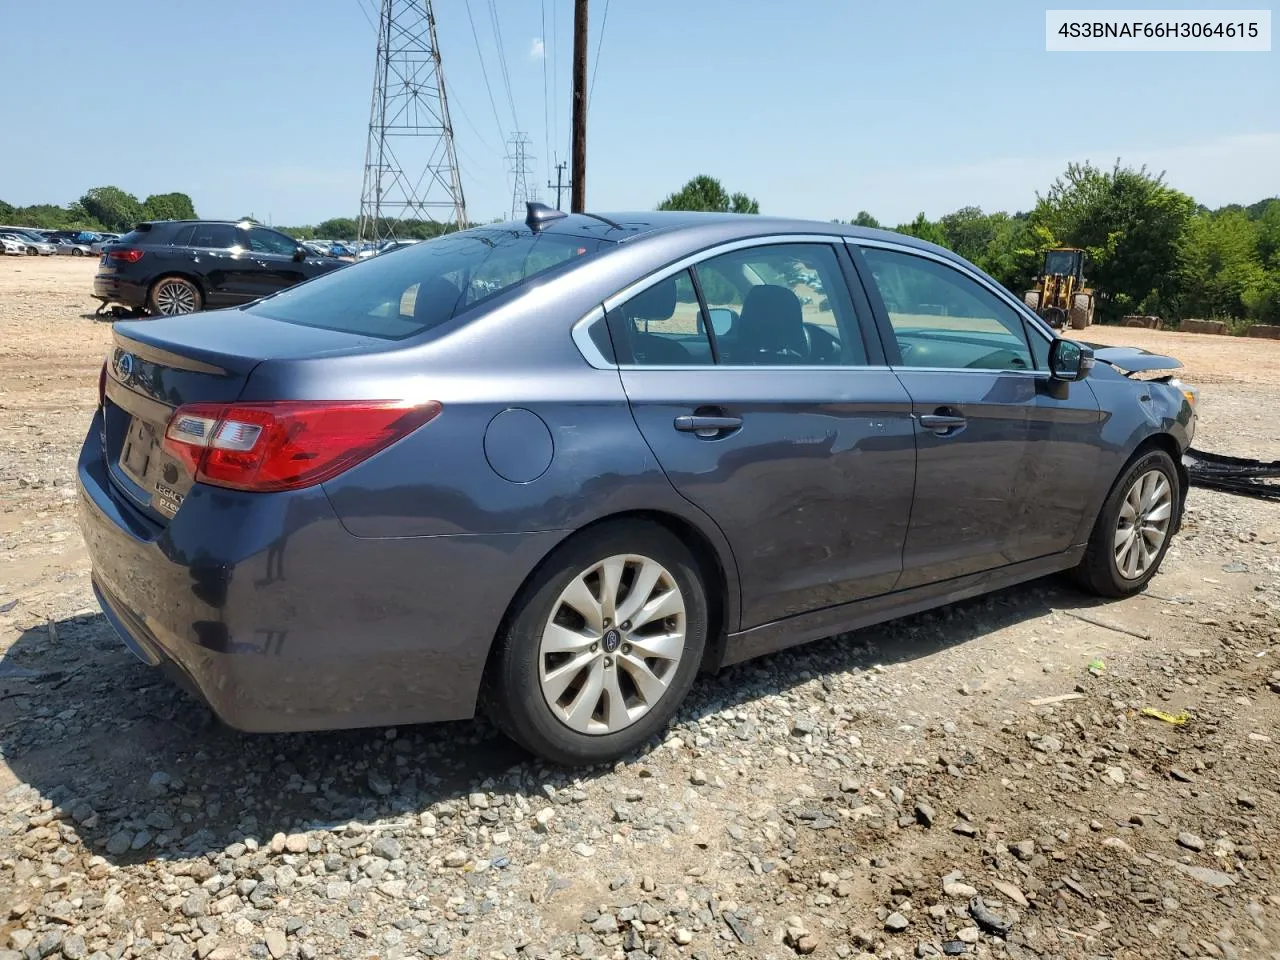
(1133, 531)
(601, 647)
(172, 296)
(77, 252)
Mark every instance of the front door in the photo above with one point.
(272, 266)
(989, 424)
(772, 419)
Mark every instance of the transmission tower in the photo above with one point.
(410, 166)
(521, 190)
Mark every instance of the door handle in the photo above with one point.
(942, 424)
(707, 427)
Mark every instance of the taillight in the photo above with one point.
(127, 255)
(102, 385)
(286, 445)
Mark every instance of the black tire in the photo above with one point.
(513, 697)
(77, 252)
(170, 296)
(32, 252)
(1098, 571)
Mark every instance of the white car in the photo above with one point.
(12, 247)
(34, 243)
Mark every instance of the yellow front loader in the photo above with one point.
(1060, 295)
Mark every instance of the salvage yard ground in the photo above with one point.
(956, 783)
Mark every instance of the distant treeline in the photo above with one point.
(1151, 248)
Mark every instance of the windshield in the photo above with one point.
(425, 284)
(1060, 262)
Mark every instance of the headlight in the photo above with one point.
(1191, 393)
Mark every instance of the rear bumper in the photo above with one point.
(112, 289)
(269, 611)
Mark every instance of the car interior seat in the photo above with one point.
(771, 327)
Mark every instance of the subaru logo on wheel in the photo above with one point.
(611, 640)
(124, 366)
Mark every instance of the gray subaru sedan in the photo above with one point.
(553, 469)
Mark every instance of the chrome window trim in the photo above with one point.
(1020, 308)
(581, 334)
(710, 253)
(757, 368)
(690, 260)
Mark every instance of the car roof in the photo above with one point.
(622, 227)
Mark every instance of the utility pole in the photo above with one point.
(578, 203)
(559, 186)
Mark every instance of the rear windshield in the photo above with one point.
(406, 291)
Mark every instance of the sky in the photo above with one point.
(817, 108)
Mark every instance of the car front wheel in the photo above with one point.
(1133, 531)
(602, 646)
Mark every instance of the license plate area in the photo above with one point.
(154, 473)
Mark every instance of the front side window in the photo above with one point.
(427, 284)
(262, 240)
(781, 304)
(943, 319)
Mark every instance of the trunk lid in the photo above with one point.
(155, 366)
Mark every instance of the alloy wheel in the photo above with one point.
(175, 297)
(1143, 524)
(612, 644)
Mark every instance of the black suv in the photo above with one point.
(181, 266)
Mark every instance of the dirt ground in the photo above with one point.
(983, 780)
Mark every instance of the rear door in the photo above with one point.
(218, 260)
(777, 418)
(1003, 452)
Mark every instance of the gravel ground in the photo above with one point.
(960, 783)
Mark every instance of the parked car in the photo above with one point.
(71, 248)
(12, 246)
(553, 469)
(181, 266)
(36, 245)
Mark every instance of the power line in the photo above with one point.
(453, 99)
(546, 96)
(502, 60)
(361, 4)
(599, 43)
(484, 73)
(555, 72)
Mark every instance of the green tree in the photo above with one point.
(1129, 223)
(1218, 263)
(864, 219)
(116, 210)
(1268, 221)
(969, 232)
(337, 228)
(168, 206)
(6, 211)
(708, 194)
(925, 229)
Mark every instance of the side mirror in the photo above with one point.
(1069, 360)
(721, 320)
(299, 254)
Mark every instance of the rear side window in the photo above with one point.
(182, 236)
(426, 285)
(213, 236)
(662, 326)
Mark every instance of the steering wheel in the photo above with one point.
(823, 347)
